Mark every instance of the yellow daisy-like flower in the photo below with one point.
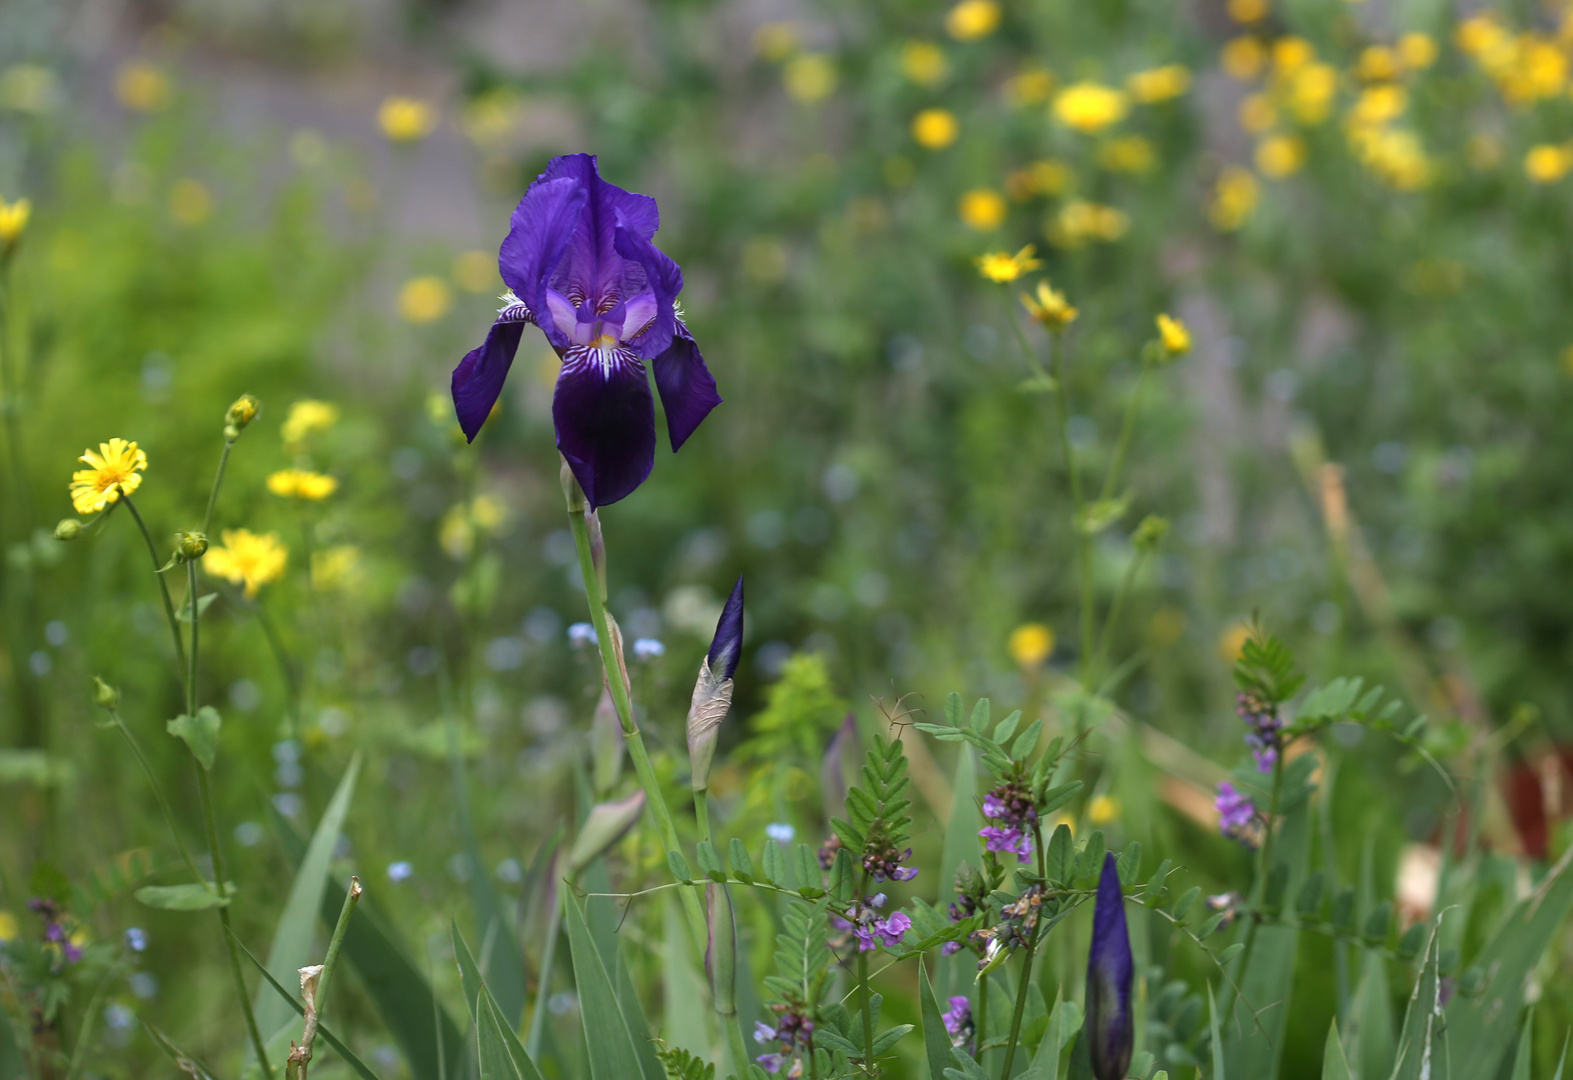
(924, 63)
(1546, 163)
(1049, 307)
(1159, 84)
(306, 417)
(935, 129)
(13, 220)
(1176, 339)
(1031, 644)
(1090, 107)
(1000, 267)
(247, 558)
(302, 484)
(982, 209)
(972, 19)
(115, 469)
(405, 119)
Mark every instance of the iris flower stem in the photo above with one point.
(1083, 541)
(163, 588)
(625, 716)
(702, 813)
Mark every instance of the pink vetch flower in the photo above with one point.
(1007, 839)
(893, 928)
(1236, 812)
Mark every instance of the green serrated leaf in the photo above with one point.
(199, 732)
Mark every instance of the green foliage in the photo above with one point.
(1266, 668)
(801, 709)
(682, 1065)
(877, 809)
(802, 956)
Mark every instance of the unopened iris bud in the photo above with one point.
(1110, 1026)
(713, 690)
(104, 695)
(238, 415)
(190, 545)
(68, 529)
(607, 823)
(1151, 532)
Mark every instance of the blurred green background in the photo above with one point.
(1360, 210)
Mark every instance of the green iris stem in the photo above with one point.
(625, 716)
(734, 1042)
(163, 588)
(702, 813)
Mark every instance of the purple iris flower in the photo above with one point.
(579, 263)
(1110, 1026)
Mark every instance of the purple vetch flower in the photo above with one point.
(579, 263)
(1236, 813)
(1007, 839)
(892, 930)
(771, 1063)
(1110, 1026)
(993, 806)
(1265, 725)
(763, 1032)
(958, 1020)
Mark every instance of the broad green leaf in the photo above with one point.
(936, 1040)
(291, 948)
(199, 732)
(1368, 1023)
(432, 1044)
(1526, 1050)
(607, 1038)
(190, 897)
(1474, 1025)
(1334, 1065)
(300, 1010)
(961, 845)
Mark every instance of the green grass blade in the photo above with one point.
(469, 974)
(682, 985)
(502, 1056)
(1368, 1021)
(936, 1040)
(300, 1010)
(1563, 1060)
(610, 1043)
(398, 988)
(292, 937)
(1417, 1039)
(1526, 1050)
(187, 1064)
(1217, 1039)
(1334, 1065)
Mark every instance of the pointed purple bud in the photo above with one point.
(1110, 1026)
(727, 645)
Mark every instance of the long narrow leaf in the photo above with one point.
(1334, 1065)
(1217, 1040)
(292, 937)
(502, 1056)
(183, 1061)
(610, 1043)
(936, 1040)
(300, 1010)
(1526, 1050)
(1417, 1042)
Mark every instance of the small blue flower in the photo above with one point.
(400, 871)
(781, 832)
(647, 648)
(581, 634)
(136, 939)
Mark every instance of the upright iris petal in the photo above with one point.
(727, 645)
(713, 689)
(1110, 1026)
(580, 263)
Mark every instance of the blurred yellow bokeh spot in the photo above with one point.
(1031, 644)
(406, 119)
(1089, 107)
(1232, 641)
(424, 299)
(982, 209)
(476, 271)
(142, 87)
(1278, 156)
(190, 202)
(972, 19)
(1102, 809)
(935, 129)
(924, 63)
(810, 77)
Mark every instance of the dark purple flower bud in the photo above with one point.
(1110, 1027)
(713, 689)
(579, 263)
(727, 645)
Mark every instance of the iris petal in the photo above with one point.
(591, 269)
(1110, 1025)
(539, 232)
(664, 280)
(688, 390)
(478, 379)
(605, 421)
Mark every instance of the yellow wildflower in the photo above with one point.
(1247, 11)
(1132, 154)
(1546, 164)
(1377, 63)
(1102, 809)
(924, 63)
(1417, 50)
(810, 77)
(1030, 86)
(460, 526)
(247, 558)
(13, 220)
(1292, 53)
(406, 119)
(1257, 113)
(1176, 339)
(1234, 198)
(997, 266)
(1090, 107)
(982, 209)
(972, 19)
(1396, 157)
(1379, 105)
(338, 569)
(115, 469)
(1279, 156)
(1159, 84)
(1311, 91)
(424, 299)
(775, 41)
(1480, 34)
(1049, 307)
(307, 417)
(1031, 644)
(302, 484)
(935, 129)
(1243, 58)
(142, 87)
(1080, 220)
(190, 202)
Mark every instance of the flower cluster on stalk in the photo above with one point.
(958, 1022)
(864, 923)
(60, 932)
(1011, 806)
(1264, 725)
(795, 1032)
(1236, 814)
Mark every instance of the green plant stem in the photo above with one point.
(84, 1035)
(1106, 638)
(702, 813)
(983, 1016)
(1021, 1005)
(218, 481)
(734, 1043)
(1083, 541)
(351, 895)
(868, 1015)
(625, 716)
(1127, 430)
(163, 587)
(163, 801)
(1264, 867)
